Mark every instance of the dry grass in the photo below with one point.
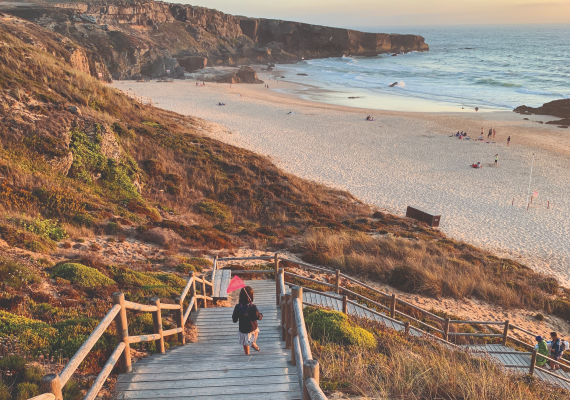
(410, 368)
(436, 268)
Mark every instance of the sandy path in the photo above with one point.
(404, 159)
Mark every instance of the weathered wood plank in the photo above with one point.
(208, 382)
(250, 388)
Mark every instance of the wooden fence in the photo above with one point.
(442, 326)
(52, 384)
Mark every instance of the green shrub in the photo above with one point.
(27, 390)
(169, 279)
(34, 336)
(539, 317)
(185, 268)
(127, 276)
(72, 391)
(113, 228)
(45, 228)
(336, 327)
(13, 363)
(34, 374)
(72, 333)
(16, 275)
(196, 264)
(4, 391)
(214, 210)
(82, 275)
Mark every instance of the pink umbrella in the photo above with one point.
(235, 284)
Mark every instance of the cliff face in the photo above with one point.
(150, 37)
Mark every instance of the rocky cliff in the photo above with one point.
(149, 38)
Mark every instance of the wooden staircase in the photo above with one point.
(216, 367)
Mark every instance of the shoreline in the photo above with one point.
(402, 159)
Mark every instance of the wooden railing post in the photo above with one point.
(532, 362)
(193, 291)
(277, 284)
(52, 384)
(296, 293)
(446, 329)
(505, 333)
(204, 292)
(310, 370)
(345, 304)
(393, 306)
(337, 283)
(179, 317)
(157, 323)
(287, 322)
(122, 326)
(283, 321)
(407, 327)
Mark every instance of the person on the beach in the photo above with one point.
(494, 133)
(496, 160)
(482, 131)
(247, 314)
(542, 349)
(481, 137)
(557, 350)
(490, 133)
(508, 141)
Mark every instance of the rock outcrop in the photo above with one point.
(139, 37)
(556, 108)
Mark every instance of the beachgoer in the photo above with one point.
(247, 314)
(460, 136)
(239, 94)
(476, 109)
(457, 134)
(508, 141)
(481, 137)
(482, 131)
(557, 350)
(490, 133)
(542, 349)
(479, 164)
(496, 160)
(494, 133)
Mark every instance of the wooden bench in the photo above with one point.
(221, 282)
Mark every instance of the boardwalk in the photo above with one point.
(215, 367)
(521, 360)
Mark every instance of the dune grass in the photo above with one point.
(438, 267)
(402, 367)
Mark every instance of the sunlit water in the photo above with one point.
(490, 67)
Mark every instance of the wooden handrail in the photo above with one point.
(104, 374)
(436, 317)
(79, 356)
(302, 264)
(45, 396)
(246, 258)
(309, 279)
(458, 321)
(52, 384)
(253, 271)
(314, 390)
(365, 285)
(129, 305)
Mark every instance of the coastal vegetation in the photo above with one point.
(88, 161)
(401, 366)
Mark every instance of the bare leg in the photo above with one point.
(246, 349)
(254, 345)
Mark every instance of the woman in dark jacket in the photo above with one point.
(247, 314)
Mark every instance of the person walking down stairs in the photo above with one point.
(247, 314)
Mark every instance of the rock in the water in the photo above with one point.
(302, 74)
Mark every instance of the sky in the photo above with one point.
(355, 13)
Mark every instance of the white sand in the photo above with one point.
(404, 159)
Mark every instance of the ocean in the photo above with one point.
(489, 67)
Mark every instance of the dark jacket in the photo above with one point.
(248, 315)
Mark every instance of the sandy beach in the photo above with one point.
(404, 159)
